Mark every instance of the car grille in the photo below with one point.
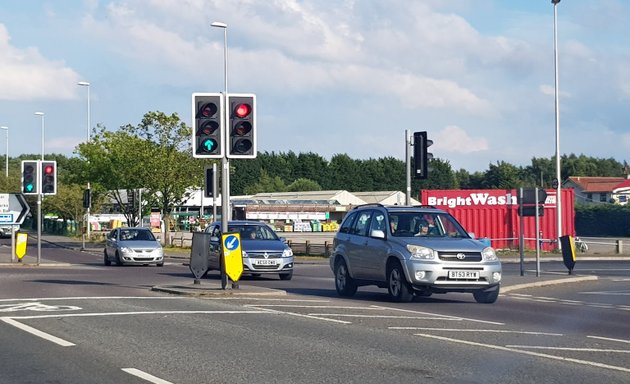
(264, 255)
(141, 251)
(452, 256)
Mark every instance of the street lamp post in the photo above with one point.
(6, 164)
(225, 164)
(557, 109)
(40, 221)
(87, 214)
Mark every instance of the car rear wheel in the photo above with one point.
(398, 287)
(106, 259)
(344, 284)
(286, 276)
(486, 297)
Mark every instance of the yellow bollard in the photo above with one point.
(20, 245)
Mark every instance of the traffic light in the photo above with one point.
(208, 190)
(421, 156)
(87, 198)
(242, 126)
(208, 115)
(29, 177)
(49, 177)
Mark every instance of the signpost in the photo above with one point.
(232, 256)
(13, 211)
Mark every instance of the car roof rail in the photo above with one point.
(424, 206)
(368, 205)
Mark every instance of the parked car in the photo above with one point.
(134, 245)
(412, 251)
(263, 251)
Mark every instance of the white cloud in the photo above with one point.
(26, 75)
(453, 139)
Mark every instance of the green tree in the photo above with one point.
(303, 184)
(154, 156)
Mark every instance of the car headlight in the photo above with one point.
(419, 252)
(126, 250)
(287, 252)
(244, 254)
(488, 254)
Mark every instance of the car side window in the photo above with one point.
(362, 223)
(346, 226)
(378, 222)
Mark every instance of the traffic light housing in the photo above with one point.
(48, 172)
(207, 131)
(421, 156)
(242, 126)
(208, 190)
(30, 179)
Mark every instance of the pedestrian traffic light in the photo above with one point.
(29, 177)
(49, 177)
(242, 126)
(208, 115)
(421, 156)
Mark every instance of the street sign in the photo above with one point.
(233, 255)
(13, 208)
(199, 254)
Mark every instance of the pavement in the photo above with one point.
(509, 283)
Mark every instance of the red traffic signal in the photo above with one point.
(49, 177)
(241, 139)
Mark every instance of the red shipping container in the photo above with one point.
(493, 214)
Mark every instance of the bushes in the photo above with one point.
(602, 220)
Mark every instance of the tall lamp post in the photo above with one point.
(225, 164)
(87, 216)
(557, 109)
(6, 164)
(40, 221)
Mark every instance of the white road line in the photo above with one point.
(145, 376)
(568, 348)
(609, 339)
(477, 330)
(37, 332)
(310, 306)
(444, 317)
(530, 353)
(386, 316)
(95, 314)
(96, 298)
(305, 316)
(608, 293)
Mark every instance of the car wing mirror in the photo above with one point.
(378, 234)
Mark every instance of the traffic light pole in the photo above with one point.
(39, 227)
(408, 161)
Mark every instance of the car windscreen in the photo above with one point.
(429, 224)
(136, 235)
(254, 232)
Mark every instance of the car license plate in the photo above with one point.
(266, 262)
(463, 274)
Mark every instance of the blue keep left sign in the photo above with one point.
(231, 242)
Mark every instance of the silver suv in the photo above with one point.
(412, 251)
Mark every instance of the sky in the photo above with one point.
(330, 77)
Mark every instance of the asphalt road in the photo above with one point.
(82, 322)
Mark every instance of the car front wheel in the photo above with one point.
(285, 276)
(344, 284)
(398, 287)
(486, 297)
(106, 259)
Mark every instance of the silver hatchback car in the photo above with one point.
(263, 251)
(135, 245)
(412, 251)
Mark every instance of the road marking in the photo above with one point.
(476, 330)
(37, 332)
(37, 307)
(530, 353)
(609, 339)
(443, 317)
(387, 317)
(569, 349)
(145, 376)
(263, 308)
